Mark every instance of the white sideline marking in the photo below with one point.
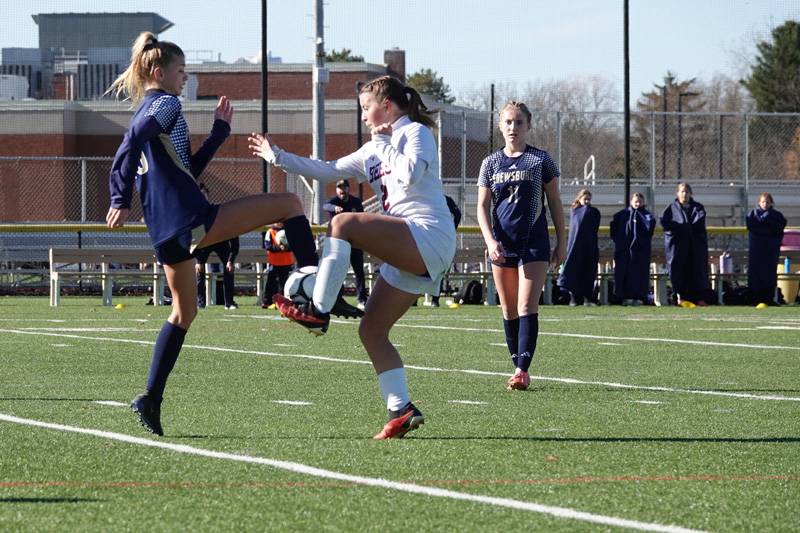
(647, 402)
(61, 345)
(92, 330)
(790, 328)
(607, 337)
(285, 345)
(468, 402)
(291, 402)
(570, 381)
(610, 344)
(726, 329)
(112, 403)
(299, 468)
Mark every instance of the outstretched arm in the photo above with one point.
(263, 146)
(219, 132)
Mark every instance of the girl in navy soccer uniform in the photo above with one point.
(155, 156)
(515, 179)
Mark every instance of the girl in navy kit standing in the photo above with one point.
(515, 179)
(156, 156)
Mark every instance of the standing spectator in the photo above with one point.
(580, 268)
(280, 262)
(765, 231)
(686, 247)
(456, 214)
(227, 252)
(344, 202)
(632, 233)
(511, 187)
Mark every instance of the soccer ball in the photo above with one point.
(299, 286)
(280, 236)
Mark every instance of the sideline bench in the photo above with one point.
(107, 258)
(62, 261)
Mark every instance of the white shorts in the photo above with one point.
(436, 243)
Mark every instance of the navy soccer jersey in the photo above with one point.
(516, 183)
(155, 155)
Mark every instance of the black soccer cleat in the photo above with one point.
(149, 413)
(343, 309)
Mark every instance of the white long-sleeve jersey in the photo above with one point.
(402, 169)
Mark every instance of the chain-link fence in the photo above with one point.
(752, 150)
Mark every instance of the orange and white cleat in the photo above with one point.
(521, 380)
(401, 422)
(304, 314)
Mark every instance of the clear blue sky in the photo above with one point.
(473, 44)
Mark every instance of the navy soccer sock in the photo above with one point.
(165, 353)
(528, 335)
(512, 337)
(301, 240)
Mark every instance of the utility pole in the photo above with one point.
(320, 78)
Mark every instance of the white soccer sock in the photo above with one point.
(331, 273)
(394, 388)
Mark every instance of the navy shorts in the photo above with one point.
(540, 252)
(176, 249)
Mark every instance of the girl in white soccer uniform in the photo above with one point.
(414, 237)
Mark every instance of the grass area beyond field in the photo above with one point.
(653, 418)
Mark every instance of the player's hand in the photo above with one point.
(224, 110)
(382, 129)
(495, 251)
(116, 218)
(337, 209)
(559, 255)
(261, 146)
(230, 267)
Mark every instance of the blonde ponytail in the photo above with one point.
(147, 53)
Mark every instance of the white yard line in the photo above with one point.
(608, 337)
(299, 468)
(111, 403)
(291, 402)
(427, 368)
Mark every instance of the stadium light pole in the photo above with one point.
(627, 104)
(264, 93)
(680, 130)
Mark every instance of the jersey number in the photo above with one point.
(385, 198)
(513, 197)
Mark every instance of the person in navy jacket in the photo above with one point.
(765, 233)
(632, 232)
(156, 157)
(686, 247)
(580, 268)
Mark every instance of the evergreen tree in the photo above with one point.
(774, 81)
(426, 81)
(342, 56)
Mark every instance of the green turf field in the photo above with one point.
(652, 418)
